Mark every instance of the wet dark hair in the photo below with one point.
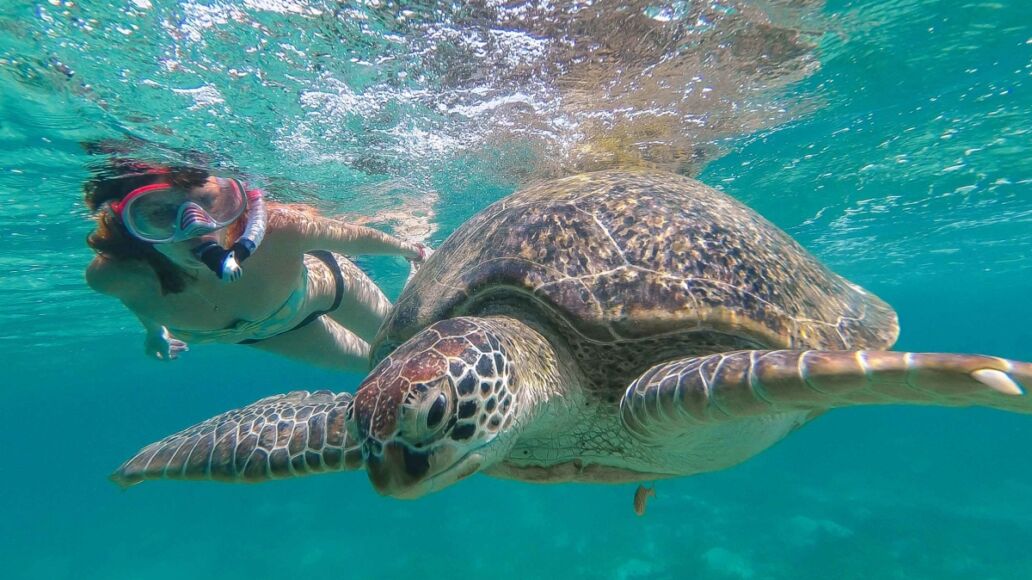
(111, 239)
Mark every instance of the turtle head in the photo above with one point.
(438, 409)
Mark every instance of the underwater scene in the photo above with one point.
(892, 139)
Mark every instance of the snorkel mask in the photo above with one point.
(161, 213)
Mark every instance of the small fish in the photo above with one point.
(641, 496)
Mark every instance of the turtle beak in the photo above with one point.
(399, 471)
(406, 473)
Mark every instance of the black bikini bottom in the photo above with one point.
(338, 280)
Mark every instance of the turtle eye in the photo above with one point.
(423, 414)
(436, 413)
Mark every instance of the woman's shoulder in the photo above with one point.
(121, 278)
(291, 214)
(294, 221)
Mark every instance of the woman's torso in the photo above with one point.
(270, 277)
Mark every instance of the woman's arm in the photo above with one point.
(319, 233)
(120, 280)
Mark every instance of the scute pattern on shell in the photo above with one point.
(624, 257)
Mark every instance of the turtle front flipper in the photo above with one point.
(290, 435)
(676, 396)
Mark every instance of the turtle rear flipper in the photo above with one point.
(290, 435)
(674, 397)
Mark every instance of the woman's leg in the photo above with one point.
(322, 342)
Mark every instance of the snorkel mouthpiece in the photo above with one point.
(226, 263)
(219, 260)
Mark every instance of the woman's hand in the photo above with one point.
(162, 345)
(416, 263)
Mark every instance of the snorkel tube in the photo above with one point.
(225, 263)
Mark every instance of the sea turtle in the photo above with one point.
(611, 327)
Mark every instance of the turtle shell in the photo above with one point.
(630, 268)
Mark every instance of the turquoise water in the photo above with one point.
(890, 138)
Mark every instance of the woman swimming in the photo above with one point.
(171, 242)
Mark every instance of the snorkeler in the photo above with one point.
(171, 244)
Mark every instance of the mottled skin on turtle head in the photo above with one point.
(437, 409)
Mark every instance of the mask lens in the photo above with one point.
(225, 205)
(153, 215)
